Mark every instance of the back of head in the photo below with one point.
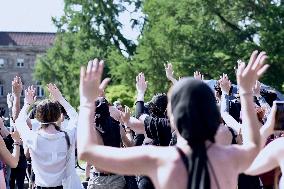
(102, 110)
(47, 111)
(197, 119)
(195, 112)
(108, 128)
(158, 105)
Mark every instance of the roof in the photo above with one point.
(26, 38)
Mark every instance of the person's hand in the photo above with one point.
(17, 86)
(16, 137)
(256, 89)
(141, 83)
(169, 72)
(103, 87)
(10, 100)
(55, 93)
(30, 97)
(225, 84)
(248, 75)
(90, 82)
(125, 116)
(197, 75)
(115, 113)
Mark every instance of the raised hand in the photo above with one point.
(90, 82)
(103, 87)
(30, 97)
(10, 100)
(225, 83)
(55, 93)
(17, 86)
(256, 89)
(115, 113)
(125, 116)
(16, 136)
(197, 75)
(248, 75)
(170, 72)
(141, 83)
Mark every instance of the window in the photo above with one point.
(20, 62)
(39, 90)
(1, 88)
(1, 62)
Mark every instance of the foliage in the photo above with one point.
(122, 93)
(204, 35)
(88, 29)
(209, 36)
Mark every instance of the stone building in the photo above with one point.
(18, 52)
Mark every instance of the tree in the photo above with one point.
(205, 35)
(88, 29)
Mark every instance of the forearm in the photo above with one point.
(16, 107)
(16, 155)
(71, 112)
(250, 122)
(87, 136)
(4, 132)
(23, 116)
(140, 96)
(224, 103)
(21, 123)
(173, 80)
(136, 125)
(127, 140)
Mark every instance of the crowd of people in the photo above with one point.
(194, 137)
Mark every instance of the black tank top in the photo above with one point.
(186, 164)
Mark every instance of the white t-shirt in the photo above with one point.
(48, 151)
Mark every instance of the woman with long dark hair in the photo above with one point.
(196, 161)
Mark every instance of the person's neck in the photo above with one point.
(183, 144)
(50, 129)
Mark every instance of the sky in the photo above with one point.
(35, 16)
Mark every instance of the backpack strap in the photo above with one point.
(67, 139)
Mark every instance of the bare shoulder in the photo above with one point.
(223, 154)
(165, 154)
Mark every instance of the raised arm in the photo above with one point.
(17, 88)
(135, 160)
(8, 158)
(21, 121)
(268, 158)
(268, 128)
(133, 123)
(56, 95)
(126, 137)
(261, 100)
(246, 78)
(225, 85)
(170, 72)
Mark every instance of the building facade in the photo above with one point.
(18, 53)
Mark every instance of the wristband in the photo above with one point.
(87, 106)
(17, 144)
(246, 93)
